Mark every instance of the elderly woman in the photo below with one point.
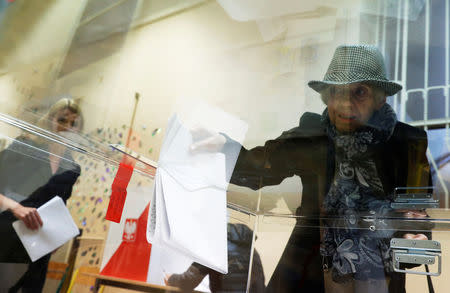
(32, 171)
(350, 159)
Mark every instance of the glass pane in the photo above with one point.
(237, 146)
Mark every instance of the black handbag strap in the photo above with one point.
(430, 283)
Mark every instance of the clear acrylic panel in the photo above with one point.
(343, 145)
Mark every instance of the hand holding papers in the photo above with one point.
(188, 208)
(29, 216)
(58, 228)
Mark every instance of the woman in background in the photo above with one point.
(33, 171)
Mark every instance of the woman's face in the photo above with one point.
(351, 106)
(65, 120)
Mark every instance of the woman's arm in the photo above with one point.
(29, 216)
(296, 151)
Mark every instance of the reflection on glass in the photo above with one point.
(350, 159)
(33, 171)
(240, 239)
(253, 59)
(440, 157)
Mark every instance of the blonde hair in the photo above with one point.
(62, 104)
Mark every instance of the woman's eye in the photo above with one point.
(360, 92)
(62, 120)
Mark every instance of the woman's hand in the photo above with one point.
(29, 216)
(416, 215)
(415, 236)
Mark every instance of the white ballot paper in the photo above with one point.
(58, 228)
(188, 208)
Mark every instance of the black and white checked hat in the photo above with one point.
(356, 63)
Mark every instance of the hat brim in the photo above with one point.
(389, 87)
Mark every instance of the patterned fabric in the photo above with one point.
(357, 63)
(356, 192)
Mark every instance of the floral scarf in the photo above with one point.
(357, 191)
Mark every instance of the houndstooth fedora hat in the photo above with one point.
(356, 63)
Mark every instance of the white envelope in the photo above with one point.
(197, 222)
(188, 208)
(58, 228)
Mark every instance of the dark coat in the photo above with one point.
(26, 176)
(307, 151)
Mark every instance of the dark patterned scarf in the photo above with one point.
(357, 191)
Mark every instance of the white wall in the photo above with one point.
(202, 53)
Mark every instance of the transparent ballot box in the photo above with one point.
(245, 271)
(379, 252)
(375, 252)
(38, 164)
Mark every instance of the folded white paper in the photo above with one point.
(188, 207)
(58, 228)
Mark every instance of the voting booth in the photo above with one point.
(225, 146)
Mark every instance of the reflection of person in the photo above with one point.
(32, 171)
(349, 159)
(239, 248)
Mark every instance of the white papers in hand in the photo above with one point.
(58, 228)
(188, 208)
